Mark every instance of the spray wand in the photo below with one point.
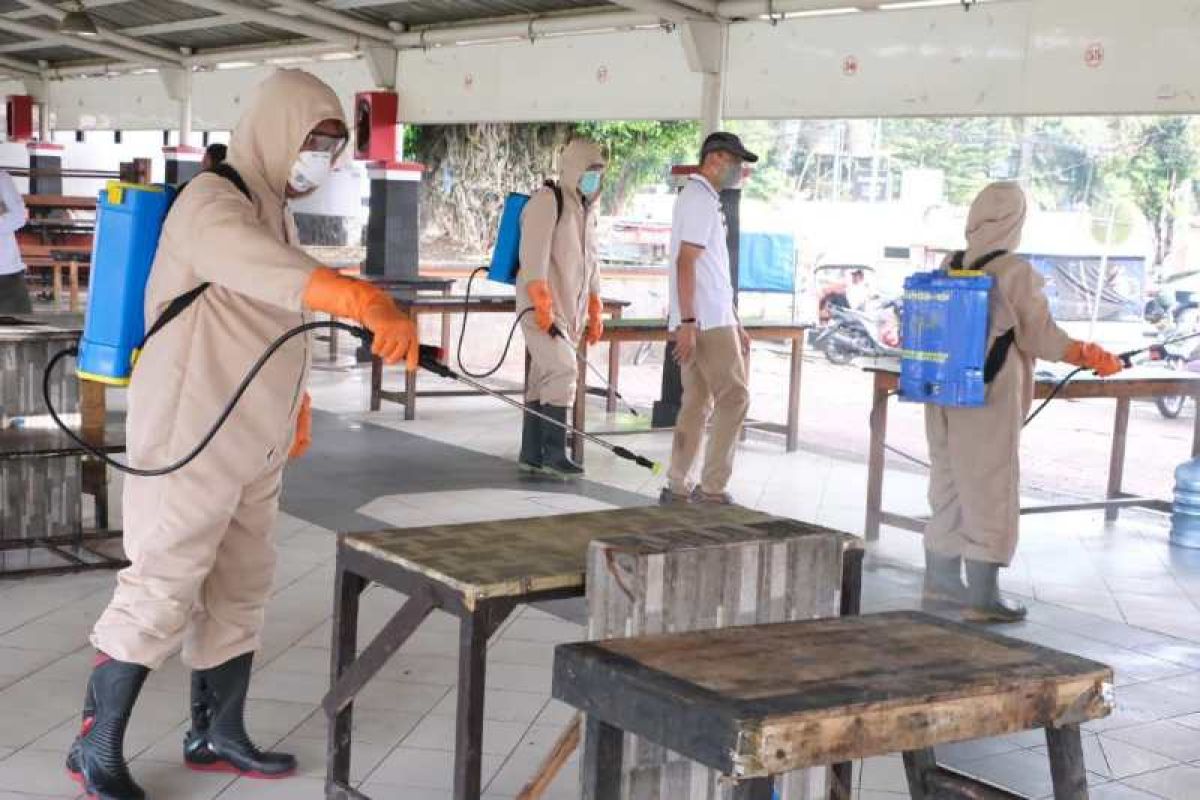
(428, 360)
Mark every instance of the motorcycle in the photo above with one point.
(850, 334)
(1175, 355)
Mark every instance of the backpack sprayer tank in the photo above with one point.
(129, 219)
(944, 338)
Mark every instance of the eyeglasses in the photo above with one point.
(325, 143)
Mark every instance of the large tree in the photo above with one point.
(1154, 161)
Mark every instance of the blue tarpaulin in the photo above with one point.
(767, 262)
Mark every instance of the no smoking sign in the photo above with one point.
(1093, 56)
(850, 66)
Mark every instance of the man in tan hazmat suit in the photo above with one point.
(560, 282)
(199, 539)
(974, 490)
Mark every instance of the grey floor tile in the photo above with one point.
(500, 705)
(423, 769)
(1167, 737)
(297, 788)
(1119, 791)
(437, 733)
(1116, 759)
(1176, 783)
(1026, 772)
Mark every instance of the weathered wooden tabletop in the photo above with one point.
(763, 700)
(511, 558)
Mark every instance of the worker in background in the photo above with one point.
(974, 488)
(14, 294)
(858, 294)
(710, 344)
(560, 282)
(200, 539)
(214, 154)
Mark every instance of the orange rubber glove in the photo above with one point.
(395, 334)
(303, 429)
(1093, 356)
(543, 304)
(595, 325)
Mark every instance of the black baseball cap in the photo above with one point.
(729, 143)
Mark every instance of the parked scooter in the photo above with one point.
(851, 334)
(1174, 354)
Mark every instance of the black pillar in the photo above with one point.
(183, 163)
(45, 166)
(393, 226)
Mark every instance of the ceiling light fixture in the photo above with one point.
(78, 22)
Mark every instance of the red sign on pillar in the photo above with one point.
(19, 118)
(375, 118)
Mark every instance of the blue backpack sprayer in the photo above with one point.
(945, 359)
(503, 268)
(129, 222)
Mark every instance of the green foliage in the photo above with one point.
(639, 154)
(970, 151)
(1155, 159)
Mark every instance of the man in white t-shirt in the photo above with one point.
(710, 344)
(14, 295)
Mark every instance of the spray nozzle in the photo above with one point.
(431, 359)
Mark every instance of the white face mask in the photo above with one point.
(310, 170)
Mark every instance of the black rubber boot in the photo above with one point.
(530, 459)
(986, 604)
(218, 741)
(943, 579)
(554, 448)
(96, 760)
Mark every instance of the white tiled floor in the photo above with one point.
(1117, 594)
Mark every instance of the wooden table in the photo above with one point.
(46, 470)
(759, 701)
(445, 305)
(64, 262)
(45, 467)
(620, 330)
(481, 572)
(1124, 388)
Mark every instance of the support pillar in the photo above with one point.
(393, 226)
(182, 163)
(45, 168)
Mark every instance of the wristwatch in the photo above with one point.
(688, 321)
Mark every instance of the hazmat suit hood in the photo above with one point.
(271, 131)
(995, 220)
(576, 158)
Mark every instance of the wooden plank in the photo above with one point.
(771, 698)
(794, 375)
(564, 748)
(395, 633)
(1066, 763)
(875, 458)
(1142, 384)
(601, 766)
(675, 581)
(1116, 462)
(468, 738)
(348, 588)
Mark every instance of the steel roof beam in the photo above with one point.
(51, 36)
(319, 13)
(52, 11)
(322, 33)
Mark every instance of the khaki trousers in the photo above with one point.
(714, 390)
(203, 560)
(553, 366)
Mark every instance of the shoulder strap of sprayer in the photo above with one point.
(998, 352)
(558, 198)
(179, 304)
